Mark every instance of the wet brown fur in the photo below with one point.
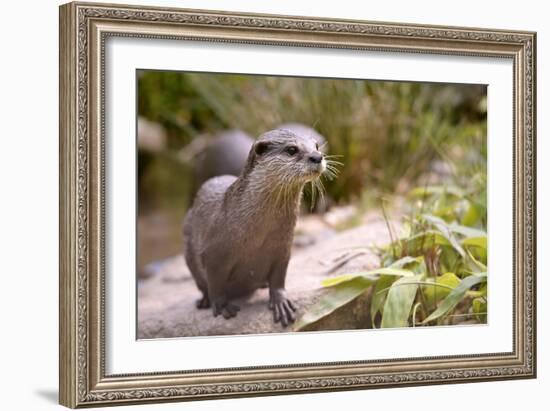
(238, 233)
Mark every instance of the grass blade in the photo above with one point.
(331, 282)
(379, 297)
(455, 296)
(480, 242)
(399, 301)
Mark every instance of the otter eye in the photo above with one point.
(317, 146)
(292, 150)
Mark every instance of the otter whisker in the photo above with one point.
(332, 167)
(313, 194)
(286, 206)
(321, 186)
(321, 189)
(331, 172)
(279, 195)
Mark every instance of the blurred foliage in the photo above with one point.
(391, 134)
(423, 142)
(434, 273)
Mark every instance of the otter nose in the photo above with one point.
(315, 158)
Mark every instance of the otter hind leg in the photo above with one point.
(224, 308)
(203, 302)
(197, 274)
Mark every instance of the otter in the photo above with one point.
(239, 230)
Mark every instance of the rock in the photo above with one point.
(150, 270)
(339, 215)
(311, 229)
(166, 301)
(354, 315)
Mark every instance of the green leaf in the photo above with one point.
(477, 249)
(413, 316)
(379, 297)
(475, 265)
(391, 271)
(433, 190)
(483, 290)
(466, 231)
(480, 242)
(407, 260)
(420, 241)
(399, 301)
(450, 261)
(331, 282)
(406, 230)
(445, 230)
(472, 216)
(443, 226)
(435, 293)
(338, 296)
(455, 296)
(479, 308)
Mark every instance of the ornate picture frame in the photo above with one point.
(84, 29)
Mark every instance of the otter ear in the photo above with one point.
(261, 147)
(258, 148)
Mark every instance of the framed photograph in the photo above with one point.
(260, 204)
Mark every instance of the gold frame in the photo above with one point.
(84, 27)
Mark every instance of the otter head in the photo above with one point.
(284, 156)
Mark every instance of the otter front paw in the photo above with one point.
(283, 308)
(225, 308)
(203, 303)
